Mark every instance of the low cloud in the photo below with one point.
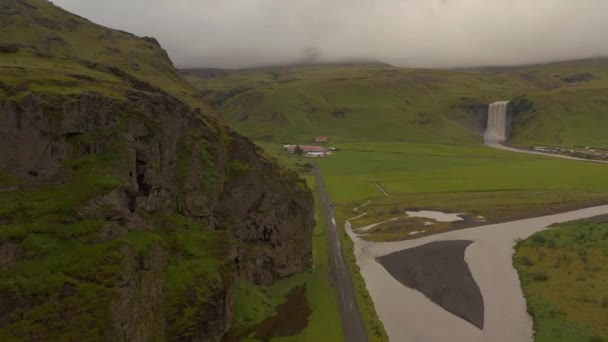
(413, 33)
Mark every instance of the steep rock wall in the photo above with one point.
(178, 172)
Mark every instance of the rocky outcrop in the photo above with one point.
(167, 160)
(9, 254)
(577, 78)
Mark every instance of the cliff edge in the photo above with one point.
(126, 209)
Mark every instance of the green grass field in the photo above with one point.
(480, 181)
(565, 281)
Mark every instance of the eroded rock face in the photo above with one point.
(170, 159)
(136, 311)
(9, 254)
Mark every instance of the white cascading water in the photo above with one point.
(496, 131)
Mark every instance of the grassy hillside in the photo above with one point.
(354, 103)
(46, 49)
(110, 191)
(564, 278)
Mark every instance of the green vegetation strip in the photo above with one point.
(564, 277)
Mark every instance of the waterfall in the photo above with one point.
(496, 130)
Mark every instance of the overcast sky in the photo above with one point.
(414, 33)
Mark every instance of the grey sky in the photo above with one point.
(415, 33)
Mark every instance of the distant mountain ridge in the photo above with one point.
(385, 103)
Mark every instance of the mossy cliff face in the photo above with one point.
(126, 215)
(168, 205)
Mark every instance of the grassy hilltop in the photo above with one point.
(53, 51)
(376, 102)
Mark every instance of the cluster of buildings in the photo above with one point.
(311, 151)
(581, 152)
(551, 149)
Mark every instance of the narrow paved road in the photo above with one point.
(352, 325)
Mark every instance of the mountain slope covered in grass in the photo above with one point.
(353, 103)
(47, 41)
(127, 211)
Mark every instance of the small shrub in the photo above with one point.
(541, 256)
(237, 168)
(558, 263)
(540, 276)
(605, 302)
(298, 150)
(9, 48)
(582, 237)
(539, 239)
(525, 260)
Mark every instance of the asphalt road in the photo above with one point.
(352, 325)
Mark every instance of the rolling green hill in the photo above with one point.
(46, 49)
(354, 103)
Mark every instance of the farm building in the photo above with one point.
(309, 150)
(318, 154)
(321, 139)
(305, 148)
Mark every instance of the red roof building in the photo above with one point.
(321, 139)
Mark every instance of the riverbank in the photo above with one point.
(489, 260)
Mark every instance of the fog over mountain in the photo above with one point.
(414, 33)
